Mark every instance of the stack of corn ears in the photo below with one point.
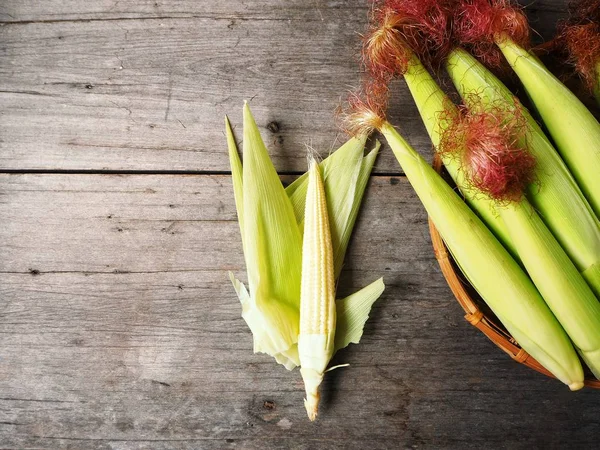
(555, 195)
(485, 262)
(560, 248)
(289, 304)
(571, 125)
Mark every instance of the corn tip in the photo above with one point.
(576, 385)
(312, 407)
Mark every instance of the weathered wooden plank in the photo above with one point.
(152, 94)
(145, 85)
(133, 339)
(30, 10)
(191, 218)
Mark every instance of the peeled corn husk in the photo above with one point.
(272, 246)
(272, 227)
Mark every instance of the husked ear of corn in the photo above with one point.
(573, 128)
(317, 297)
(272, 221)
(555, 195)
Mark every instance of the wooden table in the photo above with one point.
(119, 326)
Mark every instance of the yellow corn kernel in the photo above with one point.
(317, 295)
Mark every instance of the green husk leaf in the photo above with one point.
(353, 312)
(592, 276)
(236, 176)
(262, 340)
(272, 249)
(589, 358)
(241, 292)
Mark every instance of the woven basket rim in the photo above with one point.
(474, 314)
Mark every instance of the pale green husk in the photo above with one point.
(573, 128)
(490, 268)
(555, 194)
(271, 227)
(272, 248)
(432, 103)
(558, 280)
(352, 313)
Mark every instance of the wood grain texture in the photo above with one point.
(119, 327)
(144, 85)
(120, 330)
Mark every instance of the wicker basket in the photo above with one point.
(477, 312)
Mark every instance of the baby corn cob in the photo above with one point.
(317, 293)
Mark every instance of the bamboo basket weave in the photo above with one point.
(477, 312)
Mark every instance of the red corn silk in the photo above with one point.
(398, 28)
(481, 23)
(385, 51)
(423, 25)
(579, 38)
(429, 30)
(583, 11)
(488, 143)
(364, 110)
(583, 46)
